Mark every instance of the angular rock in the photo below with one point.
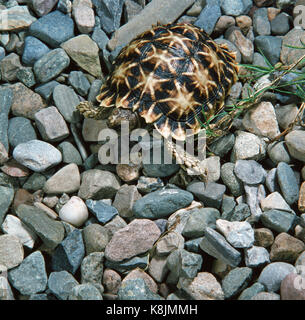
(42, 7)
(53, 28)
(61, 284)
(208, 18)
(136, 238)
(9, 67)
(102, 211)
(169, 243)
(30, 276)
(278, 220)
(15, 18)
(84, 51)
(275, 201)
(95, 238)
(51, 232)
(92, 268)
(33, 50)
(6, 199)
(86, 291)
(250, 292)
(256, 257)
(11, 251)
(141, 274)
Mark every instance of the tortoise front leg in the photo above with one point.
(88, 110)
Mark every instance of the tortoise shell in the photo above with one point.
(175, 76)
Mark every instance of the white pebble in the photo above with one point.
(74, 212)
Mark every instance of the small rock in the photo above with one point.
(223, 23)
(158, 268)
(275, 201)
(103, 212)
(238, 234)
(16, 18)
(98, 184)
(83, 15)
(208, 17)
(295, 143)
(61, 284)
(84, 51)
(280, 24)
(169, 243)
(161, 203)
(256, 257)
(252, 291)
(25, 102)
(270, 46)
(66, 100)
(216, 245)
(248, 147)
(37, 155)
(114, 225)
(46, 89)
(278, 152)
(286, 248)
(30, 276)
(223, 145)
(69, 153)
(241, 212)
(3, 154)
(74, 211)
(125, 199)
(69, 253)
(92, 268)
(184, 264)
(6, 199)
(261, 24)
(51, 232)
(42, 7)
(50, 65)
(235, 281)
(86, 291)
(95, 238)
(51, 124)
(111, 281)
(261, 120)
(131, 9)
(244, 23)
(136, 238)
(140, 274)
(11, 251)
(266, 296)
(292, 287)
(263, 237)
(53, 28)
(203, 287)
(33, 50)
(294, 37)
(136, 289)
(274, 273)
(22, 196)
(128, 173)
(286, 114)
(198, 220)
(250, 172)
(147, 184)
(79, 82)
(13, 226)
(230, 179)
(278, 220)
(26, 76)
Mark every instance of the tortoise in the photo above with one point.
(174, 76)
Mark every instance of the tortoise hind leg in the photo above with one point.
(88, 110)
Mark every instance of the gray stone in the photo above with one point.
(38, 296)
(11, 251)
(232, 7)
(53, 28)
(261, 24)
(280, 24)
(270, 46)
(288, 183)
(42, 7)
(235, 281)
(147, 184)
(136, 289)
(46, 89)
(79, 82)
(241, 212)
(2, 53)
(9, 67)
(230, 179)
(95, 237)
(129, 264)
(98, 184)
(51, 124)
(69, 153)
(250, 172)
(92, 268)
(295, 141)
(278, 220)
(26, 76)
(69, 253)
(6, 199)
(66, 100)
(50, 65)
(208, 18)
(50, 232)
(103, 212)
(4, 130)
(20, 130)
(16, 18)
(278, 152)
(100, 37)
(184, 264)
(253, 199)
(211, 193)
(193, 245)
(250, 292)
(273, 274)
(227, 207)
(160, 204)
(85, 291)
(61, 284)
(6, 100)
(33, 50)
(256, 257)
(30, 276)
(160, 170)
(271, 181)
(216, 245)
(266, 296)
(37, 155)
(223, 145)
(198, 220)
(94, 90)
